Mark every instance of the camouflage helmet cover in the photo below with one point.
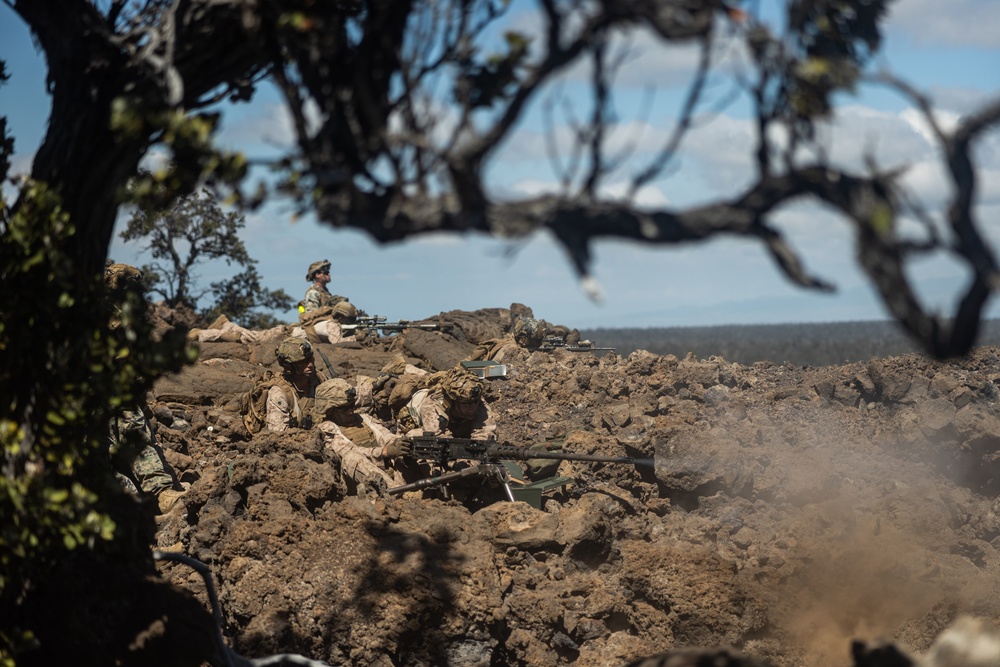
(119, 277)
(344, 311)
(462, 385)
(529, 332)
(321, 266)
(293, 349)
(335, 393)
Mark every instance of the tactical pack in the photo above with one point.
(253, 404)
(315, 315)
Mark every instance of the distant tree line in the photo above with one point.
(802, 344)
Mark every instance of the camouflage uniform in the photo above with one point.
(147, 472)
(432, 410)
(500, 350)
(222, 330)
(358, 440)
(359, 448)
(130, 431)
(527, 333)
(325, 331)
(286, 405)
(318, 296)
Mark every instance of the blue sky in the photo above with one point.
(950, 50)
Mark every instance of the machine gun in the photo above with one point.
(488, 454)
(550, 343)
(379, 323)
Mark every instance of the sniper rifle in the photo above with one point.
(550, 343)
(379, 323)
(488, 454)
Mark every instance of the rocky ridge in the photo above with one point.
(789, 511)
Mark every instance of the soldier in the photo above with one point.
(453, 407)
(318, 296)
(527, 333)
(386, 395)
(290, 402)
(368, 451)
(320, 312)
(147, 471)
(224, 331)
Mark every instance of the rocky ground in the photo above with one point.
(788, 511)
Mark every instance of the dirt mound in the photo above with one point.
(788, 511)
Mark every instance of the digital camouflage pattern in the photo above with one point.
(147, 472)
(529, 332)
(461, 385)
(288, 407)
(318, 296)
(333, 394)
(293, 350)
(119, 277)
(345, 312)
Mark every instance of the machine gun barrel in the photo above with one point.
(514, 453)
(443, 450)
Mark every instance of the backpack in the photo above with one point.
(315, 315)
(253, 404)
(402, 390)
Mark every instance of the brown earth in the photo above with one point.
(790, 510)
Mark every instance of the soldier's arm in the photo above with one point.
(279, 412)
(311, 300)
(485, 424)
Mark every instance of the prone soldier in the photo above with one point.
(527, 333)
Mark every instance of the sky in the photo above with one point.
(949, 50)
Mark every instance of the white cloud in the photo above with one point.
(959, 100)
(964, 23)
(989, 186)
(648, 197)
(929, 182)
(946, 122)
(858, 132)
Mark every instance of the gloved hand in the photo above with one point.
(400, 447)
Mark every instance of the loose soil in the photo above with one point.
(787, 511)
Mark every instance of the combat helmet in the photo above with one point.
(529, 332)
(322, 266)
(293, 350)
(333, 394)
(121, 277)
(461, 386)
(344, 312)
